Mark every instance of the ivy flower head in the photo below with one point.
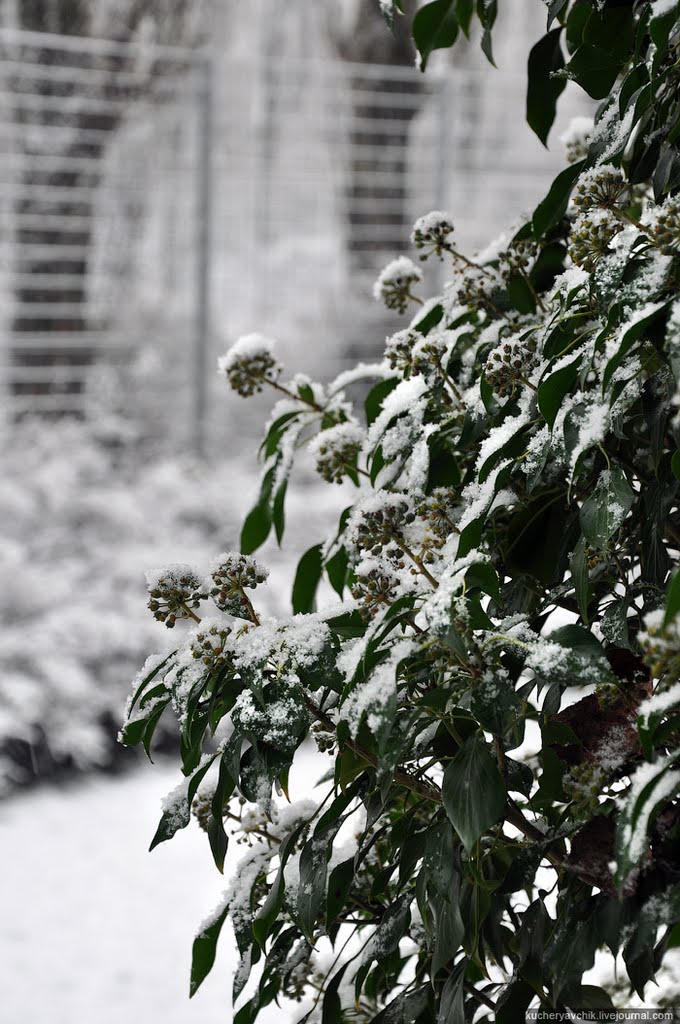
(510, 364)
(591, 235)
(173, 591)
(336, 450)
(230, 574)
(575, 139)
(249, 364)
(602, 186)
(666, 225)
(378, 522)
(394, 283)
(376, 586)
(431, 232)
(399, 349)
(209, 643)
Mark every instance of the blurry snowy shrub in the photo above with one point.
(496, 681)
(81, 508)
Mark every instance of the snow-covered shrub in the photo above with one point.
(82, 516)
(496, 683)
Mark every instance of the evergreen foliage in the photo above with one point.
(497, 685)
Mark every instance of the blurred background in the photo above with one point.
(175, 173)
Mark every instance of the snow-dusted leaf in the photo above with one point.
(473, 791)
(603, 513)
(652, 786)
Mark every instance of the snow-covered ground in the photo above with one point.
(92, 926)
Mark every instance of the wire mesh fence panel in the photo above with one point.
(156, 202)
(100, 209)
(321, 169)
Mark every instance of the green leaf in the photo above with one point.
(604, 511)
(256, 528)
(269, 911)
(579, 640)
(435, 27)
(555, 8)
(578, 566)
(204, 949)
(627, 338)
(473, 792)
(307, 579)
(177, 815)
(543, 90)
(553, 207)
(594, 69)
(376, 396)
(486, 12)
(278, 514)
(451, 1005)
(406, 1008)
(675, 464)
(553, 389)
(464, 11)
(672, 600)
(659, 783)
(449, 928)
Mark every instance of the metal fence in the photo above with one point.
(160, 201)
(97, 261)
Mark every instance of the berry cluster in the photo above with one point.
(173, 592)
(600, 186)
(509, 364)
(437, 511)
(250, 364)
(667, 225)
(479, 288)
(325, 740)
(394, 284)
(399, 349)
(583, 785)
(590, 237)
(516, 259)
(661, 648)
(209, 643)
(231, 574)
(375, 588)
(336, 451)
(382, 526)
(431, 232)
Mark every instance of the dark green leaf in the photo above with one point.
(473, 791)
(307, 579)
(553, 207)
(604, 511)
(594, 69)
(204, 949)
(256, 528)
(278, 514)
(376, 397)
(543, 89)
(672, 600)
(553, 389)
(435, 26)
(578, 566)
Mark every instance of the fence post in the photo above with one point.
(203, 320)
(445, 158)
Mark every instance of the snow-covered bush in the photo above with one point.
(496, 683)
(83, 513)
